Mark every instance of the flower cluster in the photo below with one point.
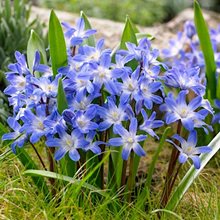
(187, 75)
(105, 98)
(110, 101)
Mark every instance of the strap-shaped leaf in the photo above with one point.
(206, 46)
(61, 98)
(191, 175)
(128, 34)
(57, 44)
(35, 43)
(91, 40)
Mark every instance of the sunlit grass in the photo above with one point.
(19, 199)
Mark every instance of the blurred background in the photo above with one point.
(143, 12)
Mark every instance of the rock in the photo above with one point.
(111, 31)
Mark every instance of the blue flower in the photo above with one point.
(102, 74)
(21, 65)
(88, 54)
(41, 68)
(82, 121)
(150, 123)
(179, 110)
(138, 51)
(53, 121)
(128, 140)
(78, 34)
(176, 47)
(112, 115)
(185, 78)
(150, 71)
(146, 92)
(18, 137)
(82, 101)
(78, 81)
(67, 144)
(34, 124)
(93, 145)
(130, 85)
(44, 87)
(188, 148)
(189, 29)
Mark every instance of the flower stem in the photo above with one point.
(39, 157)
(73, 51)
(170, 177)
(131, 176)
(123, 174)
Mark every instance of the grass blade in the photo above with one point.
(5, 154)
(28, 163)
(57, 44)
(191, 175)
(35, 43)
(206, 46)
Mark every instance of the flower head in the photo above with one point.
(188, 148)
(179, 110)
(129, 140)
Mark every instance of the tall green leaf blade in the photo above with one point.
(28, 163)
(128, 34)
(191, 175)
(57, 44)
(7, 10)
(67, 165)
(35, 43)
(206, 46)
(91, 40)
(61, 98)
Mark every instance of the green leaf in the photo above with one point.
(3, 129)
(35, 44)
(7, 9)
(143, 196)
(68, 166)
(61, 98)
(206, 46)
(28, 163)
(128, 34)
(91, 40)
(4, 155)
(143, 35)
(191, 175)
(71, 180)
(57, 44)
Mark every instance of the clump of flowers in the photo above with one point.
(111, 103)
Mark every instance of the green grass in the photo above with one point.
(19, 199)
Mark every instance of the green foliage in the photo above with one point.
(206, 46)
(35, 43)
(91, 40)
(56, 43)
(141, 11)
(15, 27)
(4, 109)
(190, 176)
